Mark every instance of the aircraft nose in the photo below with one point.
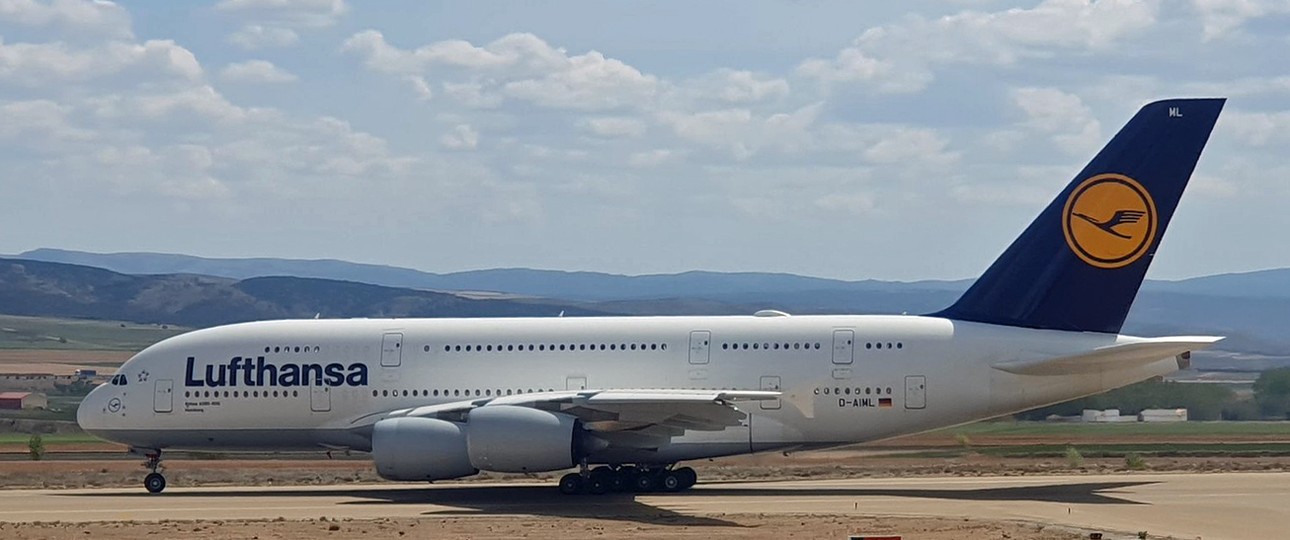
(90, 414)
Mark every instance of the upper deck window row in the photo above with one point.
(555, 347)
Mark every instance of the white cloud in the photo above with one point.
(903, 145)
(1220, 17)
(651, 158)
(421, 87)
(462, 137)
(39, 124)
(73, 18)
(738, 86)
(744, 133)
(615, 126)
(855, 65)
(851, 203)
(36, 64)
(256, 72)
(258, 36)
(295, 13)
(277, 23)
(899, 58)
(201, 101)
(1256, 128)
(525, 53)
(519, 66)
(1062, 116)
(588, 82)
(473, 95)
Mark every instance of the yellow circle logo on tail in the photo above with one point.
(1109, 221)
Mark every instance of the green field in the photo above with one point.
(1132, 429)
(1097, 450)
(77, 334)
(50, 438)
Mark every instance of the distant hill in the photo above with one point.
(597, 286)
(1252, 309)
(38, 288)
(1258, 284)
(582, 286)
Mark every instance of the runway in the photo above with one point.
(1210, 506)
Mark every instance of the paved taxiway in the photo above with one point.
(1211, 506)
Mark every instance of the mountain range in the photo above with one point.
(1252, 309)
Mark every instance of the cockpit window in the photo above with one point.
(118, 380)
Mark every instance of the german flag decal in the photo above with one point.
(884, 402)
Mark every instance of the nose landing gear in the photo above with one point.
(154, 482)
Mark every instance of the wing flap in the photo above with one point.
(635, 418)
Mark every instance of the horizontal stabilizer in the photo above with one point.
(1109, 358)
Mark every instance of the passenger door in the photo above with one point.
(843, 346)
(163, 396)
(391, 349)
(700, 345)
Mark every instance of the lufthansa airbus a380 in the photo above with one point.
(625, 399)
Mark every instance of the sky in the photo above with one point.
(854, 140)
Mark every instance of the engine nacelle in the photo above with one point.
(505, 438)
(420, 449)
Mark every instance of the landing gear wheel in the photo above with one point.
(644, 482)
(572, 484)
(621, 480)
(154, 482)
(671, 481)
(688, 477)
(600, 481)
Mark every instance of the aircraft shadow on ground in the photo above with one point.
(1079, 493)
(543, 500)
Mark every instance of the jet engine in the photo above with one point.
(420, 449)
(500, 438)
(507, 438)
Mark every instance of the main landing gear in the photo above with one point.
(154, 482)
(631, 479)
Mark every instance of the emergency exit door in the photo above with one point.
(915, 392)
(319, 398)
(770, 383)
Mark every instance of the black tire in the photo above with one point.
(620, 481)
(572, 484)
(671, 481)
(688, 477)
(600, 482)
(154, 483)
(644, 482)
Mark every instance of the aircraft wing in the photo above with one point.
(1138, 352)
(638, 418)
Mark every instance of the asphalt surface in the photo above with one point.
(1210, 506)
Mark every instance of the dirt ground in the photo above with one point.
(80, 473)
(814, 465)
(709, 527)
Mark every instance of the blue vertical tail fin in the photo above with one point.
(1079, 265)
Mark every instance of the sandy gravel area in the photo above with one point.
(713, 527)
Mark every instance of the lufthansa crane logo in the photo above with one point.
(1109, 221)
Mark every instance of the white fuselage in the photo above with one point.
(314, 384)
